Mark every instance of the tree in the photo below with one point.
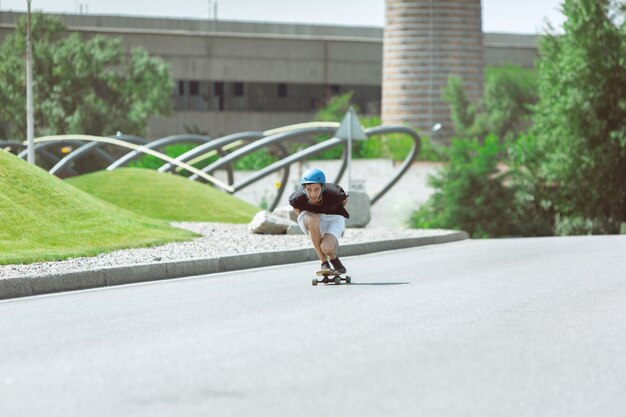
(505, 108)
(580, 119)
(462, 112)
(470, 192)
(80, 86)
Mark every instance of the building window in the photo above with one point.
(238, 89)
(218, 88)
(181, 88)
(194, 88)
(282, 90)
(334, 89)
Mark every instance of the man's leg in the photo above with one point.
(312, 224)
(333, 227)
(329, 246)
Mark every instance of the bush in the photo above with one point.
(575, 225)
(470, 193)
(152, 162)
(256, 160)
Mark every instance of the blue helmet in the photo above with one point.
(313, 176)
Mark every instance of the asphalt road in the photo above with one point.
(520, 327)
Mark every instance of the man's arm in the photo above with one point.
(297, 211)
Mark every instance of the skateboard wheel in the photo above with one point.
(348, 279)
(337, 280)
(314, 281)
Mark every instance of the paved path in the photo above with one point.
(525, 327)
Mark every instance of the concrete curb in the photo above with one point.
(80, 280)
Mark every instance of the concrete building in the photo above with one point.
(234, 76)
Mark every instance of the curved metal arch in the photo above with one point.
(216, 146)
(299, 126)
(329, 144)
(213, 145)
(185, 138)
(53, 159)
(89, 147)
(41, 146)
(272, 140)
(111, 141)
(268, 140)
(296, 157)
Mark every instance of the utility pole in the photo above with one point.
(30, 123)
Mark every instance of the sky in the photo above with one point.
(510, 16)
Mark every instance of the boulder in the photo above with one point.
(286, 212)
(294, 229)
(265, 223)
(359, 208)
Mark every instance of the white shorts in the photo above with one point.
(335, 224)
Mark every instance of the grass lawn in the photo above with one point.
(164, 196)
(43, 218)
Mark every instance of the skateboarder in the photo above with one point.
(322, 215)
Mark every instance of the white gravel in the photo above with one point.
(218, 239)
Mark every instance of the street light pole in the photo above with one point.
(30, 123)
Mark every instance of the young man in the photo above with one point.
(322, 215)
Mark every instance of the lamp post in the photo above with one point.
(30, 123)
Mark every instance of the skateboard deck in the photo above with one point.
(331, 277)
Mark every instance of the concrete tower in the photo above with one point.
(425, 42)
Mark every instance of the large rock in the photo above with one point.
(286, 212)
(359, 208)
(294, 229)
(265, 223)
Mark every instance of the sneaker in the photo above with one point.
(338, 266)
(326, 266)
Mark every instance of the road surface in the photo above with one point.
(517, 327)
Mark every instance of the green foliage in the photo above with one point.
(580, 119)
(509, 93)
(394, 146)
(164, 196)
(43, 218)
(80, 86)
(535, 213)
(462, 111)
(574, 225)
(334, 111)
(256, 160)
(567, 174)
(470, 193)
(173, 151)
(505, 108)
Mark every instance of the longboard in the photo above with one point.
(331, 277)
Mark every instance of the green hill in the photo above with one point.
(164, 196)
(43, 218)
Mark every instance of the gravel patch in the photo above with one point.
(218, 239)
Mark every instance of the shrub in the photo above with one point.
(470, 193)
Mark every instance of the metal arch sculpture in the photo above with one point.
(276, 137)
(89, 147)
(331, 143)
(159, 143)
(124, 144)
(230, 148)
(215, 147)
